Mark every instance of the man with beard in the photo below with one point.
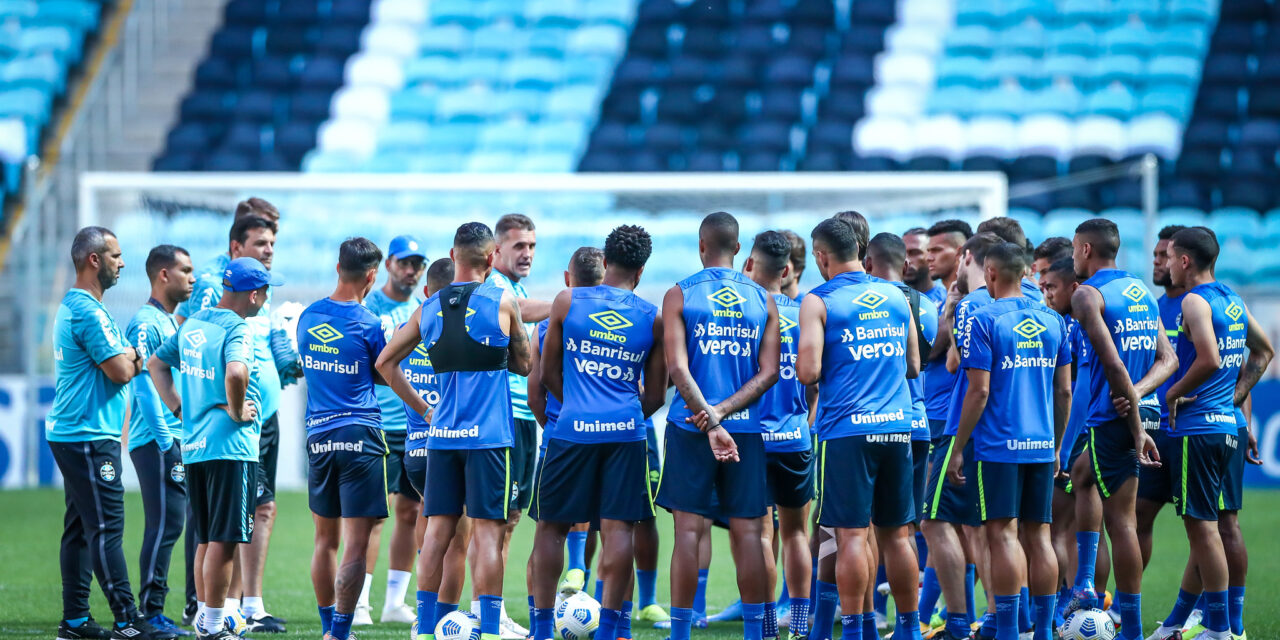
(393, 304)
(92, 363)
(155, 434)
(916, 273)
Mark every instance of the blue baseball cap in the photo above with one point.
(405, 247)
(247, 274)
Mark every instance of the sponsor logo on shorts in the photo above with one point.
(107, 472)
(727, 298)
(329, 446)
(883, 438)
(418, 453)
(178, 472)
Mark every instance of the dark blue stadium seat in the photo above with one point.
(215, 73)
(689, 70)
(814, 13)
(321, 72)
(610, 136)
(680, 105)
(790, 70)
(714, 136)
(1033, 167)
(831, 135)
(760, 161)
(853, 70)
(928, 163)
(860, 163)
(649, 40)
(1264, 102)
(294, 139)
(351, 12)
(232, 42)
(982, 163)
(1087, 162)
(273, 72)
(664, 138)
(707, 12)
(705, 160)
(824, 161)
(338, 40)
(1084, 197)
(176, 162)
(646, 162)
(1234, 37)
(257, 105)
(1126, 193)
(310, 104)
(1200, 164)
(601, 162)
(1252, 194)
(1260, 134)
(622, 103)
(245, 12)
(1184, 193)
(1207, 133)
(781, 104)
(705, 40)
(728, 105)
(227, 160)
(1226, 68)
(188, 138)
(765, 136)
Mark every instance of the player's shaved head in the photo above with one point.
(861, 229)
(1102, 235)
(719, 234)
(1198, 243)
(1007, 260)
(439, 275)
(586, 267)
(888, 253)
(356, 258)
(836, 238)
(630, 246)
(1063, 268)
(1053, 249)
(1007, 228)
(161, 257)
(472, 245)
(771, 253)
(980, 245)
(257, 207)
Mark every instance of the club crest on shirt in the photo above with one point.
(107, 472)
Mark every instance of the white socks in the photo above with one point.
(364, 591)
(397, 587)
(252, 606)
(231, 604)
(213, 619)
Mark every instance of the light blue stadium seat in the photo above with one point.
(524, 103)
(42, 72)
(435, 70)
(404, 135)
(51, 39)
(572, 103)
(455, 137)
(559, 136)
(972, 40)
(1184, 216)
(1075, 67)
(414, 103)
(1236, 223)
(1172, 69)
(387, 163)
(1022, 68)
(491, 162)
(466, 104)
(1021, 39)
(510, 10)
(1130, 223)
(1004, 100)
(1032, 222)
(977, 12)
(1235, 263)
(1015, 11)
(1128, 39)
(1117, 68)
(464, 12)
(1186, 39)
(1115, 101)
(8, 43)
(602, 39)
(1149, 11)
(563, 13)
(479, 69)
(548, 41)
(1080, 39)
(958, 100)
(511, 136)
(1174, 100)
(317, 161)
(1270, 235)
(499, 39)
(446, 39)
(28, 103)
(1201, 11)
(585, 69)
(548, 162)
(1063, 222)
(1092, 11)
(533, 72)
(441, 162)
(17, 9)
(1056, 98)
(74, 13)
(962, 70)
(619, 12)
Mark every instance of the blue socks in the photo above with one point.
(599, 595)
(958, 624)
(1235, 609)
(988, 628)
(443, 609)
(908, 627)
(1043, 608)
(869, 624)
(608, 623)
(852, 627)
(922, 550)
(753, 620)
(1182, 606)
(879, 602)
(1007, 617)
(970, 577)
(1086, 559)
(1024, 610)
(624, 623)
(1130, 605)
(490, 615)
(531, 610)
(426, 611)
(700, 596)
(799, 616)
(326, 619)
(770, 629)
(824, 612)
(681, 622)
(341, 628)
(1215, 614)
(647, 586)
(577, 544)
(76, 622)
(544, 624)
(930, 591)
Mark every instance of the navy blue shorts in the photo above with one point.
(478, 480)
(1232, 496)
(1156, 483)
(585, 482)
(220, 494)
(655, 465)
(691, 476)
(943, 499)
(1111, 452)
(789, 476)
(936, 428)
(1077, 448)
(415, 471)
(1014, 490)
(397, 479)
(919, 475)
(865, 479)
(1202, 462)
(347, 473)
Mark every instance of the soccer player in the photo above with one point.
(1017, 361)
(916, 272)
(855, 327)
(1129, 357)
(950, 512)
(474, 335)
(339, 339)
(393, 304)
(1216, 377)
(596, 461)
(791, 284)
(155, 434)
(516, 242)
(1010, 230)
(722, 349)
(1047, 253)
(92, 363)
(253, 236)
(213, 350)
(788, 445)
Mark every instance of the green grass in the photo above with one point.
(30, 603)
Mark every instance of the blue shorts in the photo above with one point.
(415, 471)
(1156, 483)
(219, 498)
(693, 481)
(347, 473)
(655, 465)
(478, 480)
(397, 482)
(1111, 452)
(585, 482)
(865, 479)
(919, 475)
(943, 499)
(789, 476)
(1232, 496)
(1077, 448)
(1014, 490)
(936, 428)
(1202, 462)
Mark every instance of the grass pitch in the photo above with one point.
(30, 602)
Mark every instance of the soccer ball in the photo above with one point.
(458, 625)
(234, 622)
(1089, 624)
(577, 617)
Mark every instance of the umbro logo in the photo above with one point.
(1029, 328)
(786, 324)
(1135, 292)
(421, 350)
(611, 320)
(726, 297)
(324, 333)
(870, 299)
(195, 338)
(1234, 311)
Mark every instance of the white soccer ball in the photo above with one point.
(1089, 624)
(234, 622)
(458, 625)
(577, 617)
